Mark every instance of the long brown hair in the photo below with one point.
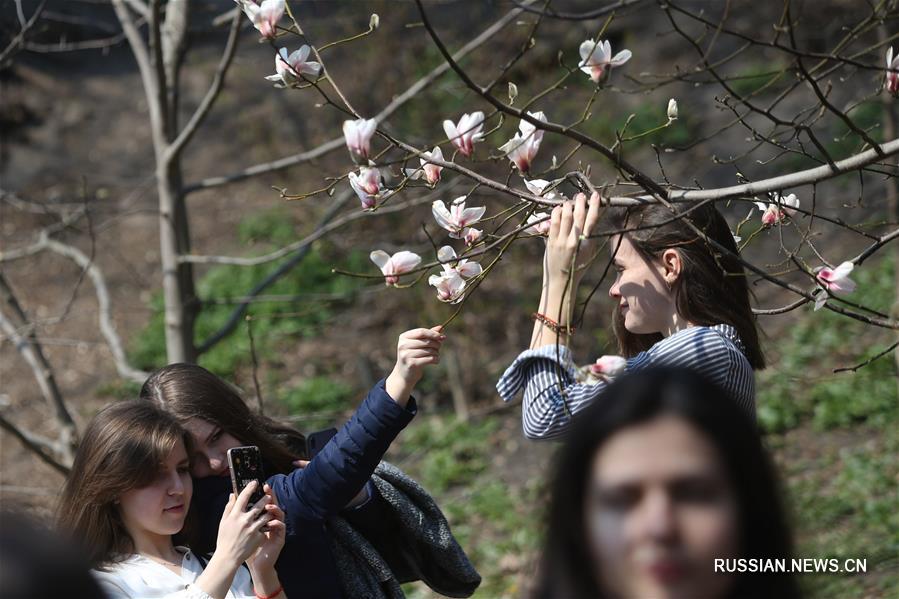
(122, 449)
(190, 391)
(711, 288)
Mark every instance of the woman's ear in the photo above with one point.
(672, 265)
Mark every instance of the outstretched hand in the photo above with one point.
(569, 226)
(415, 349)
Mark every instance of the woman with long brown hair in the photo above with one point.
(682, 300)
(129, 492)
(218, 419)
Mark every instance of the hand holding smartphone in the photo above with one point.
(246, 466)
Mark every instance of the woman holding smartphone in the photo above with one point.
(218, 419)
(130, 491)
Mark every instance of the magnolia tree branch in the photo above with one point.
(19, 38)
(339, 142)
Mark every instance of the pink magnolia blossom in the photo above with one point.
(289, 67)
(891, 83)
(833, 280)
(393, 266)
(457, 218)
(608, 366)
(264, 16)
(450, 286)
(358, 135)
(778, 210)
(467, 132)
(597, 59)
(538, 228)
(450, 283)
(367, 185)
(522, 149)
(465, 268)
(430, 172)
(472, 236)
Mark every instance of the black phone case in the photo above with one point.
(316, 441)
(246, 465)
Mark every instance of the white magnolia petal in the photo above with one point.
(820, 300)
(620, 58)
(442, 215)
(842, 270)
(473, 215)
(469, 269)
(586, 49)
(446, 254)
(380, 258)
(404, 261)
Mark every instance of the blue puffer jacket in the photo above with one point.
(309, 496)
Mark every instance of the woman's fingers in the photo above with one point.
(566, 220)
(300, 463)
(579, 214)
(592, 213)
(555, 223)
(244, 498)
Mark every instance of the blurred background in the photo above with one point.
(75, 136)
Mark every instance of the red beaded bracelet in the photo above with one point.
(272, 596)
(554, 326)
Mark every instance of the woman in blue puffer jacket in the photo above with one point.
(334, 481)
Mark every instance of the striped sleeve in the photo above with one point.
(551, 394)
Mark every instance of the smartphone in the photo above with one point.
(246, 466)
(316, 441)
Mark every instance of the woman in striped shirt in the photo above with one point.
(681, 301)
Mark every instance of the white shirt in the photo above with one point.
(139, 577)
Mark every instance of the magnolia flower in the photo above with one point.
(457, 219)
(467, 132)
(833, 280)
(538, 228)
(522, 148)
(289, 67)
(430, 172)
(597, 59)
(891, 83)
(451, 263)
(358, 135)
(450, 286)
(367, 185)
(608, 366)
(393, 266)
(472, 236)
(450, 283)
(672, 109)
(537, 187)
(264, 16)
(778, 210)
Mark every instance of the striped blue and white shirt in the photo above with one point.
(548, 374)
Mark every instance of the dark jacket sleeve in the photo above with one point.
(343, 466)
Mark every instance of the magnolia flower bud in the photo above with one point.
(513, 92)
(672, 109)
(374, 21)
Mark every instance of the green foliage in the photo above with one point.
(273, 322)
(802, 385)
(845, 502)
(495, 523)
(455, 451)
(318, 400)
